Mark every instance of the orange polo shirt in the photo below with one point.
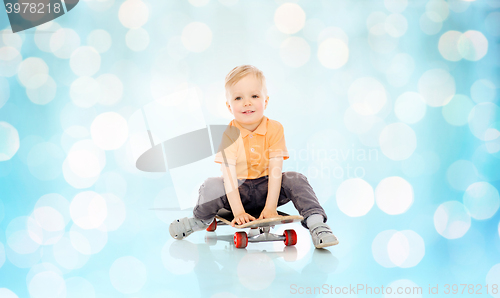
(250, 150)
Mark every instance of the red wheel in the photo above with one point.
(212, 226)
(290, 237)
(240, 239)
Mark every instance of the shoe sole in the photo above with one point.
(327, 244)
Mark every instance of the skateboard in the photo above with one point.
(260, 228)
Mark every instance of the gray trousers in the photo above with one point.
(253, 194)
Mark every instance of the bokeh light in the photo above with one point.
(394, 195)
(289, 18)
(400, 70)
(88, 210)
(64, 42)
(11, 59)
(137, 39)
(396, 25)
(481, 200)
(492, 23)
(461, 174)
(410, 107)
(452, 220)
(133, 14)
(33, 73)
(85, 92)
(100, 40)
(47, 284)
(85, 160)
(295, 51)
(111, 89)
(10, 39)
(100, 5)
(398, 141)
(196, 37)
(483, 121)
(43, 94)
(472, 45)
(457, 111)
(4, 91)
(429, 23)
(19, 238)
(448, 45)
(56, 202)
(9, 141)
(355, 197)
(405, 248)
(116, 212)
(47, 225)
(109, 131)
(128, 275)
(493, 277)
(79, 287)
(333, 53)
(439, 8)
(43, 35)
(6, 293)
(67, 256)
(85, 61)
(113, 183)
(396, 6)
(437, 87)
(367, 96)
(88, 241)
(483, 91)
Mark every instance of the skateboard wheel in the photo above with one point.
(212, 226)
(290, 237)
(240, 239)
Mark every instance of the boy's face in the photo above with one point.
(247, 101)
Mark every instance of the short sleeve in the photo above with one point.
(277, 146)
(228, 148)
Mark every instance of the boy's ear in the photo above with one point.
(229, 107)
(266, 102)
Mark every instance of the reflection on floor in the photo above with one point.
(265, 269)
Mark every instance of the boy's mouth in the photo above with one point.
(248, 112)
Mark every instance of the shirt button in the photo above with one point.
(251, 136)
(252, 149)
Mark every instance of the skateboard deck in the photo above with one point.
(225, 217)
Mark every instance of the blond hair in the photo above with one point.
(239, 72)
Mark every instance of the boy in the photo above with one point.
(253, 158)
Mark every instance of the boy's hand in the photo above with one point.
(268, 213)
(241, 219)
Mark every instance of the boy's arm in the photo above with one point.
(231, 187)
(274, 187)
(233, 195)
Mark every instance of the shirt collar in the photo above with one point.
(260, 130)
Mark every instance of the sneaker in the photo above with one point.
(322, 235)
(181, 228)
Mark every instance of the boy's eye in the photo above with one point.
(254, 96)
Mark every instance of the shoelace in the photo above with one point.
(319, 232)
